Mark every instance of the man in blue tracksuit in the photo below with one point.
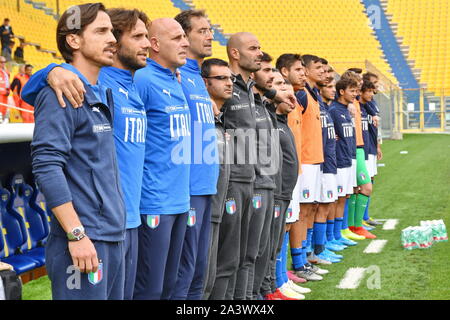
(204, 168)
(74, 162)
(129, 119)
(165, 200)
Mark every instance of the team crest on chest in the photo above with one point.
(330, 194)
(340, 189)
(362, 176)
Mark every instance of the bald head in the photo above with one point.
(237, 40)
(168, 43)
(244, 53)
(160, 27)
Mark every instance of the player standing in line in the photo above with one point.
(204, 168)
(292, 69)
(375, 152)
(347, 90)
(267, 168)
(131, 32)
(358, 201)
(75, 166)
(276, 284)
(218, 81)
(309, 180)
(164, 209)
(328, 194)
(335, 217)
(244, 53)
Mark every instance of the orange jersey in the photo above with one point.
(358, 124)
(312, 146)
(295, 124)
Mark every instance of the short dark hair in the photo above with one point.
(309, 58)
(88, 13)
(345, 83)
(368, 75)
(356, 70)
(6, 20)
(207, 64)
(350, 75)
(266, 57)
(324, 61)
(286, 60)
(124, 20)
(28, 66)
(367, 85)
(184, 18)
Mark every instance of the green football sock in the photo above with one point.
(361, 205)
(351, 210)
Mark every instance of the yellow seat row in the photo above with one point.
(425, 29)
(337, 30)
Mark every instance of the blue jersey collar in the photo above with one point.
(121, 75)
(160, 67)
(193, 65)
(96, 94)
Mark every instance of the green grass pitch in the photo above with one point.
(411, 187)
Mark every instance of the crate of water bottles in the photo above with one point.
(425, 235)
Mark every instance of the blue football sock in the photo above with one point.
(304, 259)
(285, 260)
(330, 230)
(320, 229)
(309, 238)
(366, 213)
(281, 263)
(338, 227)
(345, 222)
(279, 269)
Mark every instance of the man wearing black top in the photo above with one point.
(219, 84)
(6, 34)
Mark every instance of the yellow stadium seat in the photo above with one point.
(424, 27)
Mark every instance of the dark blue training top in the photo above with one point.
(365, 130)
(74, 159)
(345, 132)
(328, 140)
(372, 110)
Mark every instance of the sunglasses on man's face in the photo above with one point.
(221, 78)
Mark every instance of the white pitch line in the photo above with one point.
(375, 246)
(352, 278)
(390, 224)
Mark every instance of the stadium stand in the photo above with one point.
(35, 28)
(343, 17)
(13, 237)
(422, 26)
(35, 221)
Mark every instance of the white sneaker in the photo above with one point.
(317, 270)
(288, 292)
(297, 288)
(308, 275)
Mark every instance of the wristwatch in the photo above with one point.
(76, 234)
